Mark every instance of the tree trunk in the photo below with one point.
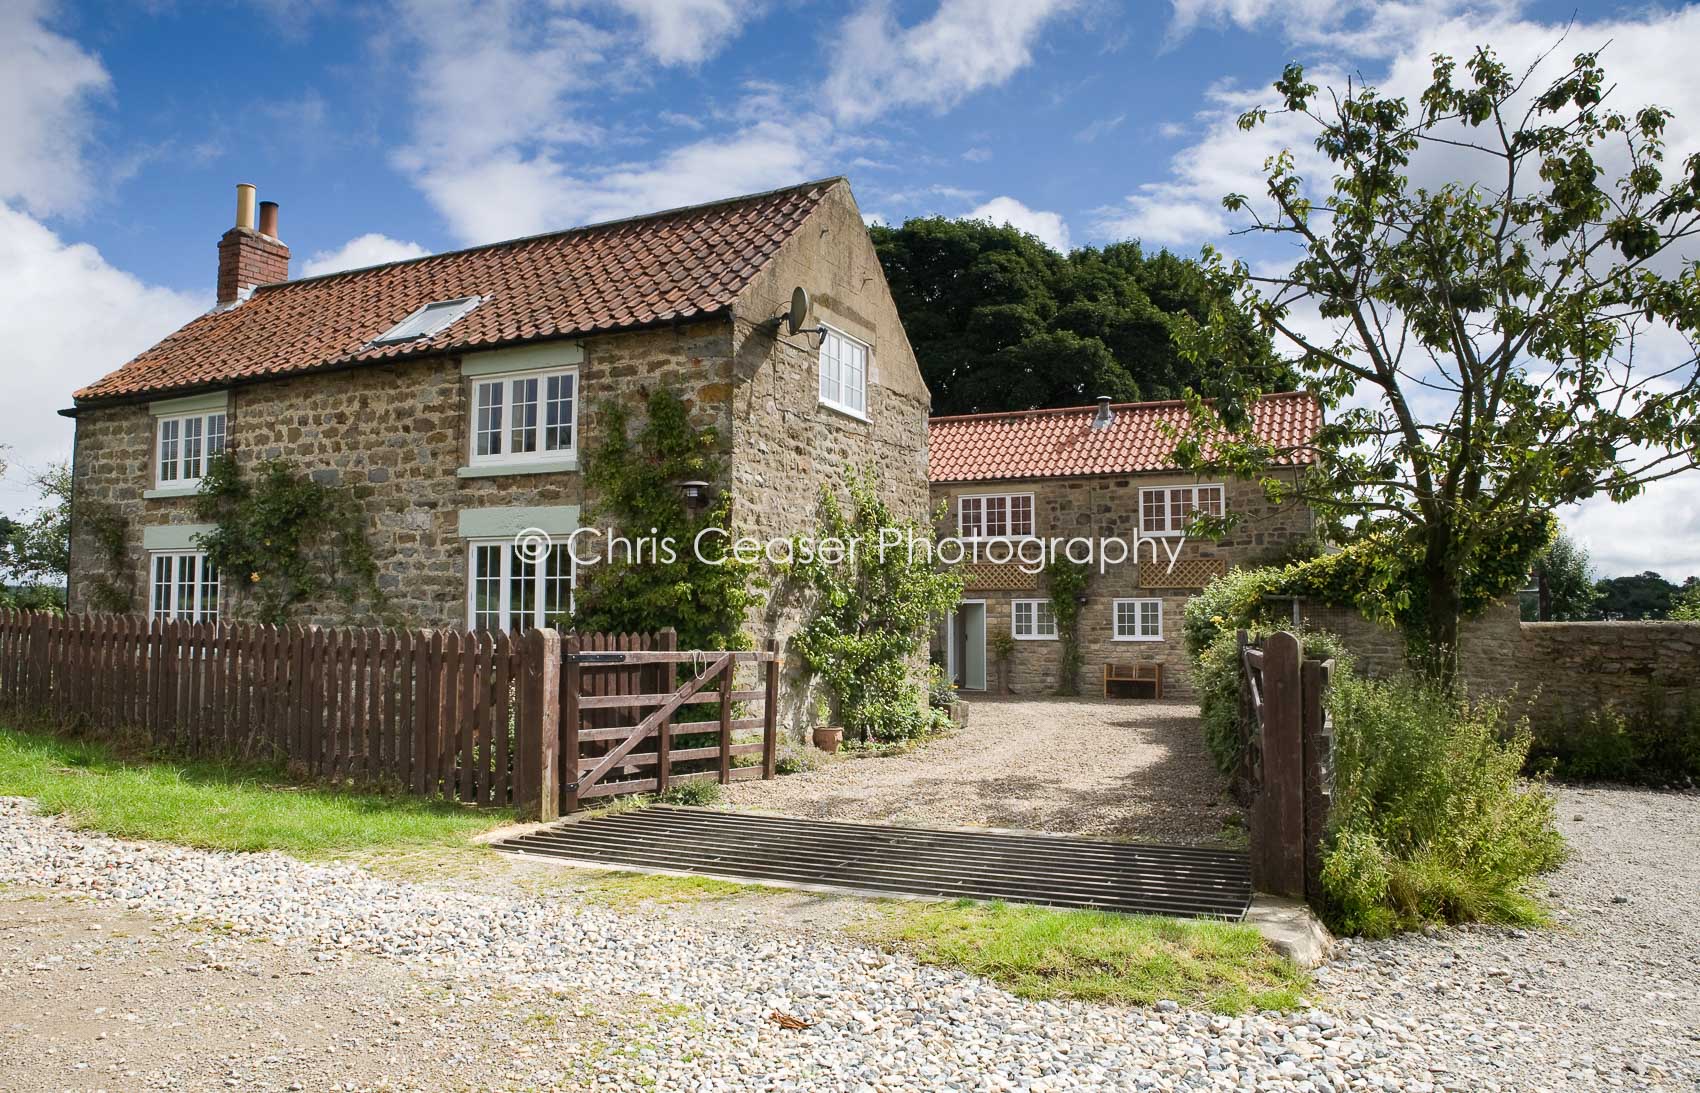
(1435, 636)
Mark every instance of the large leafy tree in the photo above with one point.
(1636, 596)
(1483, 342)
(35, 551)
(1563, 583)
(999, 321)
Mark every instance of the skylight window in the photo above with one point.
(428, 320)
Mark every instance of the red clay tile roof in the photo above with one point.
(680, 264)
(1063, 444)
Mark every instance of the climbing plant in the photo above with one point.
(283, 538)
(634, 480)
(872, 608)
(1065, 581)
(113, 588)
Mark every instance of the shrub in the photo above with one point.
(941, 689)
(1231, 602)
(1431, 823)
(872, 611)
(700, 794)
(1656, 744)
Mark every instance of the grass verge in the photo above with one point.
(219, 806)
(1095, 956)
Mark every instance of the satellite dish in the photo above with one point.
(798, 316)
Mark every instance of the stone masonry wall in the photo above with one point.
(1554, 672)
(1108, 507)
(787, 445)
(395, 434)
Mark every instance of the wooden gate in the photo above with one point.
(592, 750)
(1288, 762)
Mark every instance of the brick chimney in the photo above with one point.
(249, 255)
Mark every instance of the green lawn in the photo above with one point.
(218, 805)
(1132, 959)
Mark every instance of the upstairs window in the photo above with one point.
(525, 416)
(1168, 510)
(843, 372)
(431, 319)
(187, 443)
(995, 516)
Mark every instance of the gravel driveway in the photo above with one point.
(1608, 997)
(1084, 766)
(681, 1000)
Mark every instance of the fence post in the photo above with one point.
(770, 711)
(669, 680)
(1278, 857)
(726, 720)
(540, 723)
(572, 686)
(1318, 769)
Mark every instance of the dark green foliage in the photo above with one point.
(1066, 581)
(1639, 596)
(1564, 571)
(699, 794)
(1656, 743)
(1431, 821)
(1001, 322)
(282, 538)
(871, 614)
(634, 481)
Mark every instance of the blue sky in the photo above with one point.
(388, 128)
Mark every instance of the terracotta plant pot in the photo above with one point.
(828, 739)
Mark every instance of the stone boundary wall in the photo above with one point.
(1556, 671)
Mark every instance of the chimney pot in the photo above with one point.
(247, 257)
(1102, 419)
(245, 205)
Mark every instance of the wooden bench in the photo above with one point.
(1133, 680)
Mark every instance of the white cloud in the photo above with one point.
(977, 155)
(70, 317)
(46, 85)
(686, 31)
(1660, 530)
(371, 249)
(965, 47)
(514, 195)
(1049, 227)
(1353, 28)
(1099, 128)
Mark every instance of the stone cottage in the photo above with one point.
(453, 395)
(1015, 487)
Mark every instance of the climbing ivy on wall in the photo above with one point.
(112, 589)
(872, 609)
(634, 480)
(1065, 581)
(284, 539)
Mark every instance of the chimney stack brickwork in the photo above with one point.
(247, 257)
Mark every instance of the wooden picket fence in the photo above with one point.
(438, 713)
(535, 721)
(1287, 762)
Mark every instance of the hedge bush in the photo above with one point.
(1432, 822)
(1657, 744)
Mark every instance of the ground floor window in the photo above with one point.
(1139, 620)
(1033, 620)
(184, 587)
(513, 587)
